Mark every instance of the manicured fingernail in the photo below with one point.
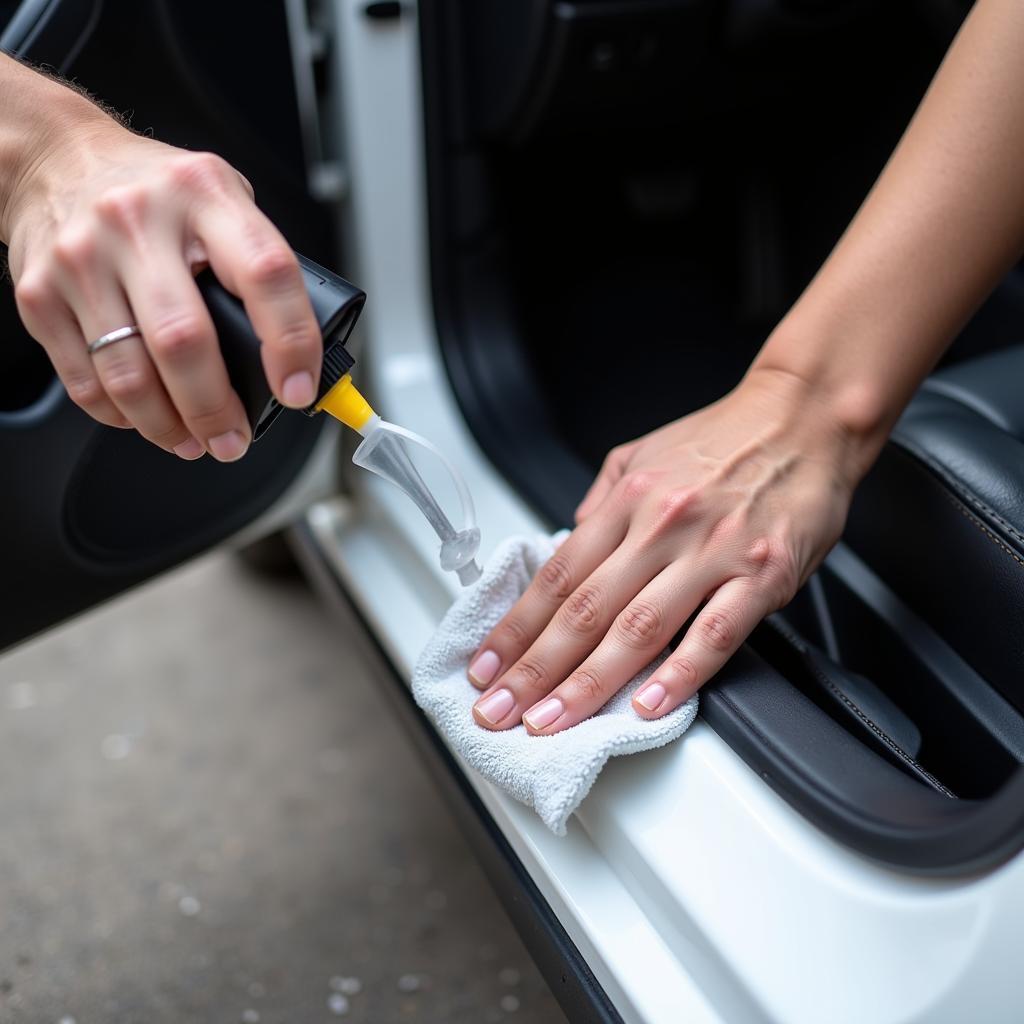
(297, 390)
(484, 669)
(651, 696)
(190, 449)
(544, 714)
(494, 707)
(227, 447)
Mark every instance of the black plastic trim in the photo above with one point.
(560, 962)
(838, 783)
(507, 416)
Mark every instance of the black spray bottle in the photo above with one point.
(337, 305)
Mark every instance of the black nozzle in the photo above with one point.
(336, 304)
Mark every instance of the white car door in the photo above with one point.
(686, 888)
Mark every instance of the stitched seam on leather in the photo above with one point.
(984, 529)
(957, 485)
(884, 736)
(957, 501)
(861, 714)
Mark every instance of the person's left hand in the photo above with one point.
(730, 508)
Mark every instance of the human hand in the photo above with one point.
(725, 513)
(107, 229)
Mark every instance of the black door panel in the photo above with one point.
(88, 510)
(50, 32)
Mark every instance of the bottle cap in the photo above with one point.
(336, 305)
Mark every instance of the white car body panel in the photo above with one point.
(693, 891)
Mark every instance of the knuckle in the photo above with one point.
(204, 173)
(615, 458)
(205, 416)
(297, 339)
(680, 505)
(169, 437)
(554, 579)
(636, 484)
(760, 552)
(683, 668)
(582, 609)
(718, 630)
(84, 390)
(531, 675)
(127, 383)
(124, 206)
(512, 632)
(587, 684)
(776, 564)
(273, 267)
(640, 624)
(73, 251)
(33, 292)
(177, 337)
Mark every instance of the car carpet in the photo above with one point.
(553, 773)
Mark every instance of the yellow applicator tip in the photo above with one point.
(345, 403)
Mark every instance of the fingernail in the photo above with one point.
(651, 696)
(484, 669)
(227, 447)
(544, 714)
(297, 390)
(190, 449)
(496, 706)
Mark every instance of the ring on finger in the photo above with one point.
(111, 337)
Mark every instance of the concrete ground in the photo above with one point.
(208, 815)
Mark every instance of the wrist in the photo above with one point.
(48, 149)
(846, 416)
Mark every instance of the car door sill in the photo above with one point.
(571, 981)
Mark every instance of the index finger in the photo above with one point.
(577, 558)
(253, 261)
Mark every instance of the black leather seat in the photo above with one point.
(941, 516)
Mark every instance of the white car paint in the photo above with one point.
(692, 890)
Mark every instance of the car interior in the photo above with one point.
(624, 198)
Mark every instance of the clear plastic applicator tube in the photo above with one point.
(384, 451)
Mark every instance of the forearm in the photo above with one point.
(34, 111)
(943, 223)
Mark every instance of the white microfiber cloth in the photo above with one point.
(554, 773)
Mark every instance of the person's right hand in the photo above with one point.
(107, 229)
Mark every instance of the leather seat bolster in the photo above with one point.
(979, 464)
(991, 385)
(941, 515)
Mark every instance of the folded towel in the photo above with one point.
(552, 774)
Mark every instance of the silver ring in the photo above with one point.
(108, 339)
